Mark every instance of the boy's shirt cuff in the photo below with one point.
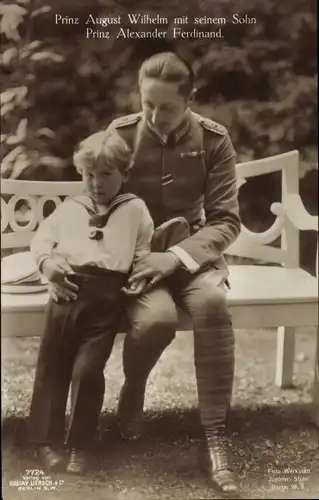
(40, 259)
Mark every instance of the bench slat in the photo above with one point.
(250, 285)
(31, 323)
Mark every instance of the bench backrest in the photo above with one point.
(18, 233)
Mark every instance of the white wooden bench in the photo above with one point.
(279, 294)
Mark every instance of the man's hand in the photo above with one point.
(155, 266)
(60, 287)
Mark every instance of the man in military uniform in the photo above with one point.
(184, 165)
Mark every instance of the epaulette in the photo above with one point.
(211, 125)
(124, 121)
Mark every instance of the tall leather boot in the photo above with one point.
(222, 478)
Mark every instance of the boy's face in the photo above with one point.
(162, 103)
(102, 182)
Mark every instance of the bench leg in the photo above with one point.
(316, 383)
(285, 356)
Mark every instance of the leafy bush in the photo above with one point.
(260, 80)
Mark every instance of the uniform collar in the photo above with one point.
(176, 134)
(163, 138)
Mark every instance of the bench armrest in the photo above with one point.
(295, 211)
(293, 208)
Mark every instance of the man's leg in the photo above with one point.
(203, 297)
(153, 319)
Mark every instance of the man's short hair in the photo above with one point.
(103, 146)
(171, 68)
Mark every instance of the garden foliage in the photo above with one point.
(58, 86)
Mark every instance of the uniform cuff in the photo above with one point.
(188, 261)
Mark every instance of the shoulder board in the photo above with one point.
(124, 121)
(211, 125)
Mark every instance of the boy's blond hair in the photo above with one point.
(103, 146)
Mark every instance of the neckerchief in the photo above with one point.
(98, 221)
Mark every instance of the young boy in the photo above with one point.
(92, 241)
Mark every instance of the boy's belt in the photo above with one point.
(98, 272)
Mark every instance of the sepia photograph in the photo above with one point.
(159, 250)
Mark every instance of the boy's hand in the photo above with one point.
(55, 270)
(60, 287)
(136, 288)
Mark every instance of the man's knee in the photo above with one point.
(159, 320)
(216, 298)
(210, 301)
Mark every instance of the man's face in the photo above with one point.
(162, 103)
(102, 182)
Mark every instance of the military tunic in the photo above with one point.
(191, 174)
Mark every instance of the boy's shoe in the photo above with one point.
(78, 463)
(51, 459)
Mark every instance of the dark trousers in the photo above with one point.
(153, 321)
(75, 346)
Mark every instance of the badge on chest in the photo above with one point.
(192, 154)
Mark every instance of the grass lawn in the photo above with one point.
(271, 428)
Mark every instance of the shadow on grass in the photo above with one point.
(168, 456)
(184, 424)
